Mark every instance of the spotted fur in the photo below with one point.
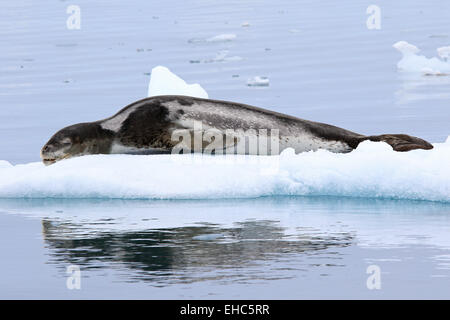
(147, 125)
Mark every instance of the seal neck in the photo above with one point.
(97, 140)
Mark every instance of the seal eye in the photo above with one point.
(66, 142)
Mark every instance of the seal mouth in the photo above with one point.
(48, 161)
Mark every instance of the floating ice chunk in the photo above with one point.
(412, 62)
(406, 48)
(164, 82)
(258, 82)
(222, 38)
(222, 56)
(245, 24)
(431, 72)
(219, 38)
(444, 53)
(372, 170)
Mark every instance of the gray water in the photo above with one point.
(323, 64)
(262, 248)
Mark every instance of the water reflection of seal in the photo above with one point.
(147, 126)
(174, 255)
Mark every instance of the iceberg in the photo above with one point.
(164, 82)
(258, 82)
(413, 62)
(222, 38)
(227, 37)
(373, 170)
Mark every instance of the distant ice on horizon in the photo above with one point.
(222, 38)
(413, 62)
(258, 81)
(226, 37)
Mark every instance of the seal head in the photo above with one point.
(77, 140)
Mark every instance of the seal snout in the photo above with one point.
(45, 149)
(47, 155)
(53, 151)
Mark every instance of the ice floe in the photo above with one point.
(411, 61)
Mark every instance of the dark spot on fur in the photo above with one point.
(332, 133)
(146, 127)
(180, 111)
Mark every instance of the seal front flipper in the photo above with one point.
(402, 142)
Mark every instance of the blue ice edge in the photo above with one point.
(373, 170)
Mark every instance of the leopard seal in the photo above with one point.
(150, 125)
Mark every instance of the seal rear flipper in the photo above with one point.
(402, 142)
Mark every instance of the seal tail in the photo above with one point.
(401, 142)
